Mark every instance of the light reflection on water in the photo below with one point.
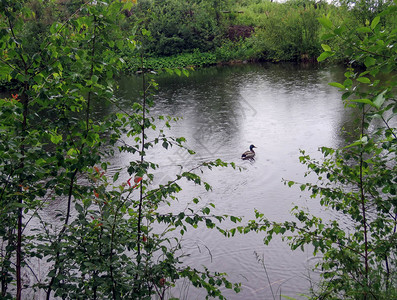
(280, 108)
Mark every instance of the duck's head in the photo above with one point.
(252, 147)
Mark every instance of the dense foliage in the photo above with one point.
(200, 33)
(100, 243)
(179, 26)
(243, 30)
(232, 31)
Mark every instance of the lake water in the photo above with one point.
(280, 108)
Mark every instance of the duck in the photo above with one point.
(250, 154)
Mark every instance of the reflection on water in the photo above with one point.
(280, 108)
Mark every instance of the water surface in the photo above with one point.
(280, 108)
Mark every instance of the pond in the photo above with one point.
(280, 108)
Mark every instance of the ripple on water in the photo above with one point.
(260, 269)
(278, 107)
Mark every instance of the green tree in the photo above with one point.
(179, 26)
(52, 149)
(284, 31)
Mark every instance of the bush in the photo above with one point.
(102, 243)
(284, 31)
(179, 27)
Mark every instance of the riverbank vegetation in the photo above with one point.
(202, 33)
(231, 31)
(246, 30)
(91, 228)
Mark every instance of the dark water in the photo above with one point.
(280, 108)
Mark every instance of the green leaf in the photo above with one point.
(375, 22)
(145, 32)
(325, 22)
(348, 74)
(364, 101)
(72, 152)
(56, 139)
(54, 27)
(206, 210)
(325, 55)
(116, 176)
(348, 83)
(379, 100)
(363, 30)
(369, 61)
(338, 85)
(79, 208)
(363, 80)
(326, 48)
(361, 141)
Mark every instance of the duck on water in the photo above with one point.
(250, 154)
